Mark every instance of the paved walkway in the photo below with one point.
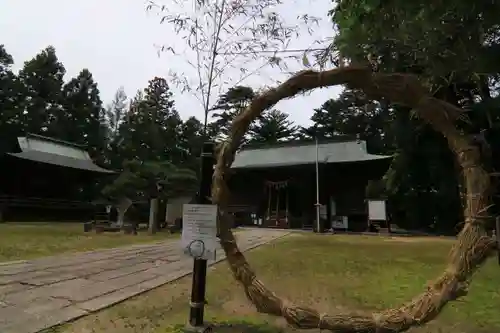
(42, 293)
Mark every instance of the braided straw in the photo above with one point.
(471, 249)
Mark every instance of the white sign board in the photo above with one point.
(199, 231)
(340, 222)
(376, 210)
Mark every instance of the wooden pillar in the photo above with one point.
(323, 191)
(277, 205)
(161, 213)
(286, 207)
(329, 211)
(268, 201)
(153, 211)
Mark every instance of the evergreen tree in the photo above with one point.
(273, 127)
(10, 112)
(191, 141)
(41, 81)
(138, 181)
(230, 104)
(128, 142)
(81, 119)
(151, 128)
(164, 121)
(6, 59)
(353, 115)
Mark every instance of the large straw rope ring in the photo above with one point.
(471, 249)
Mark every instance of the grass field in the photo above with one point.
(332, 273)
(31, 240)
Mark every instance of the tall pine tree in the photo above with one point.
(353, 115)
(164, 121)
(10, 111)
(191, 141)
(41, 81)
(228, 106)
(273, 127)
(81, 118)
(151, 128)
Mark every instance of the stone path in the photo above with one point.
(38, 294)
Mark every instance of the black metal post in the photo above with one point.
(200, 266)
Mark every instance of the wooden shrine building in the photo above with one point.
(46, 179)
(275, 186)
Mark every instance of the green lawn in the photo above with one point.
(31, 240)
(331, 273)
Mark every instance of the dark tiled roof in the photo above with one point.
(301, 154)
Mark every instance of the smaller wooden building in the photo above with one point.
(275, 186)
(43, 178)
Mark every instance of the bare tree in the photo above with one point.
(222, 35)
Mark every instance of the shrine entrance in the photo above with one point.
(277, 213)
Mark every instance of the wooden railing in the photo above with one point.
(14, 201)
(13, 208)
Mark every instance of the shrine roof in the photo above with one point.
(303, 153)
(46, 150)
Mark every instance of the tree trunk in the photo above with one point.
(122, 208)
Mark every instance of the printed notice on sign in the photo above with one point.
(376, 210)
(199, 231)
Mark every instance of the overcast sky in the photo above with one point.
(115, 40)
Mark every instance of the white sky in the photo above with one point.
(115, 40)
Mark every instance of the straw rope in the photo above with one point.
(471, 249)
